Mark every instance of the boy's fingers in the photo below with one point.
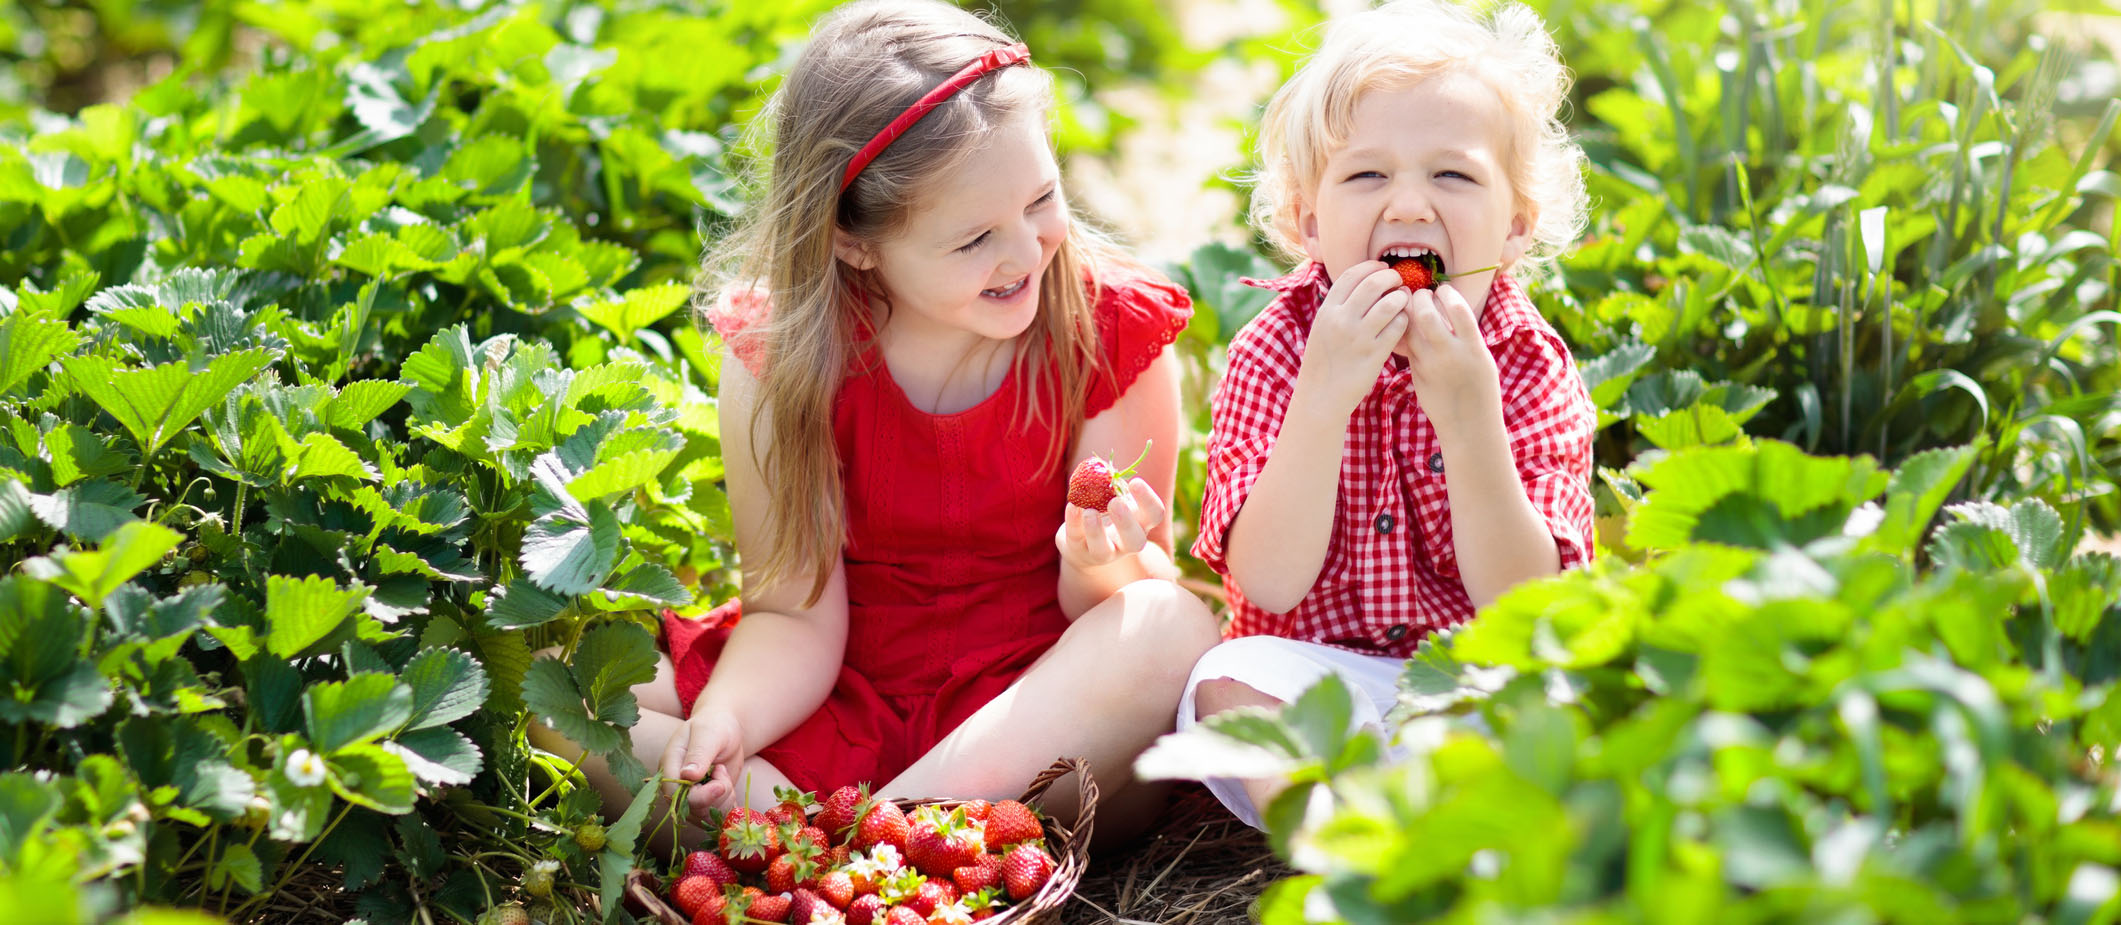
(1459, 313)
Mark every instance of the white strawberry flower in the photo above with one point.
(887, 858)
(305, 768)
(952, 914)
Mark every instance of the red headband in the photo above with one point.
(992, 61)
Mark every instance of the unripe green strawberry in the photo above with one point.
(509, 914)
(590, 835)
(537, 881)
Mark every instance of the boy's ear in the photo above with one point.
(1519, 239)
(851, 251)
(1307, 230)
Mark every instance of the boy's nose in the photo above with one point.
(1409, 202)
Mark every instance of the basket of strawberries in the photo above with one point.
(854, 859)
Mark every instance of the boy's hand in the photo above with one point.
(1363, 316)
(1091, 539)
(708, 749)
(1453, 373)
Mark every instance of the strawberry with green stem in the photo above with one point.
(1424, 270)
(1094, 484)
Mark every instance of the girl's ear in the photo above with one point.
(1519, 239)
(852, 252)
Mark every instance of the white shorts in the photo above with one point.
(1283, 669)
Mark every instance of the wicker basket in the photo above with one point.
(1071, 843)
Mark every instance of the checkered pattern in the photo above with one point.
(1391, 571)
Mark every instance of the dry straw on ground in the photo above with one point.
(1200, 867)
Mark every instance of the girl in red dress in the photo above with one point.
(921, 344)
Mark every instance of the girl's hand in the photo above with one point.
(1362, 318)
(708, 749)
(1091, 539)
(1453, 372)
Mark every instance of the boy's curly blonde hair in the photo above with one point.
(1398, 45)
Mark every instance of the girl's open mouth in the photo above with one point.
(1006, 291)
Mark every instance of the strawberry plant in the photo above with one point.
(1805, 704)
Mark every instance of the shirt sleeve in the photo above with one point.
(1551, 421)
(1246, 416)
(1136, 319)
(740, 318)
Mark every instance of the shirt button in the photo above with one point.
(1384, 523)
(1435, 462)
(1397, 632)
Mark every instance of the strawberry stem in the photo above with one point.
(1121, 476)
(1440, 277)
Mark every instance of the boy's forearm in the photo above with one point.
(1278, 540)
(1499, 536)
(1082, 589)
(775, 670)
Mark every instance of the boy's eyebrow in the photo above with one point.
(1464, 154)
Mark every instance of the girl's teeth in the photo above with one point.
(1006, 291)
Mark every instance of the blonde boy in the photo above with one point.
(1386, 457)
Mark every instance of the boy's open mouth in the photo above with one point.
(1428, 259)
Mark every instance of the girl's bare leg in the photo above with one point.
(659, 721)
(1104, 692)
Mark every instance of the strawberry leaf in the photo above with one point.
(361, 708)
(299, 612)
(446, 684)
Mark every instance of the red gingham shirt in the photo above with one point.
(1391, 572)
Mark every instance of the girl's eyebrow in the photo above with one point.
(974, 228)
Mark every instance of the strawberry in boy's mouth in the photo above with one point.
(1418, 267)
(1005, 292)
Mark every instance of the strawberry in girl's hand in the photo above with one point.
(1094, 484)
(1027, 868)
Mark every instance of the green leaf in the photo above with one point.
(367, 775)
(522, 605)
(617, 858)
(623, 473)
(447, 685)
(568, 556)
(1699, 424)
(360, 402)
(26, 804)
(299, 612)
(1321, 715)
(157, 402)
(648, 584)
(78, 453)
(440, 756)
(638, 309)
(322, 455)
(1917, 490)
(1203, 752)
(363, 707)
(28, 343)
(89, 511)
(16, 517)
(549, 691)
(237, 864)
(92, 576)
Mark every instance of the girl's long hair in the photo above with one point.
(867, 63)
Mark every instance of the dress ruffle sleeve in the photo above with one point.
(740, 317)
(1136, 319)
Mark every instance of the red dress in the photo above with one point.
(952, 575)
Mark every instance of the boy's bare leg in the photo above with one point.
(1218, 694)
(658, 723)
(1104, 692)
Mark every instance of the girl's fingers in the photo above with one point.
(1096, 536)
(1127, 522)
(1072, 527)
(1149, 510)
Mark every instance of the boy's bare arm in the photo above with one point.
(1278, 540)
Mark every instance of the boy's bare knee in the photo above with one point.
(1215, 695)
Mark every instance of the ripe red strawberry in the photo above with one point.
(900, 915)
(882, 823)
(693, 892)
(1418, 273)
(1025, 869)
(748, 841)
(710, 864)
(1094, 483)
(712, 911)
(932, 893)
(837, 888)
(794, 806)
(984, 873)
(770, 907)
(937, 849)
(781, 874)
(837, 813)
(802, 904)
(976, 809)
(1010, 822)
(866, 910)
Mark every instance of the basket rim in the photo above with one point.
(1072, 843)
